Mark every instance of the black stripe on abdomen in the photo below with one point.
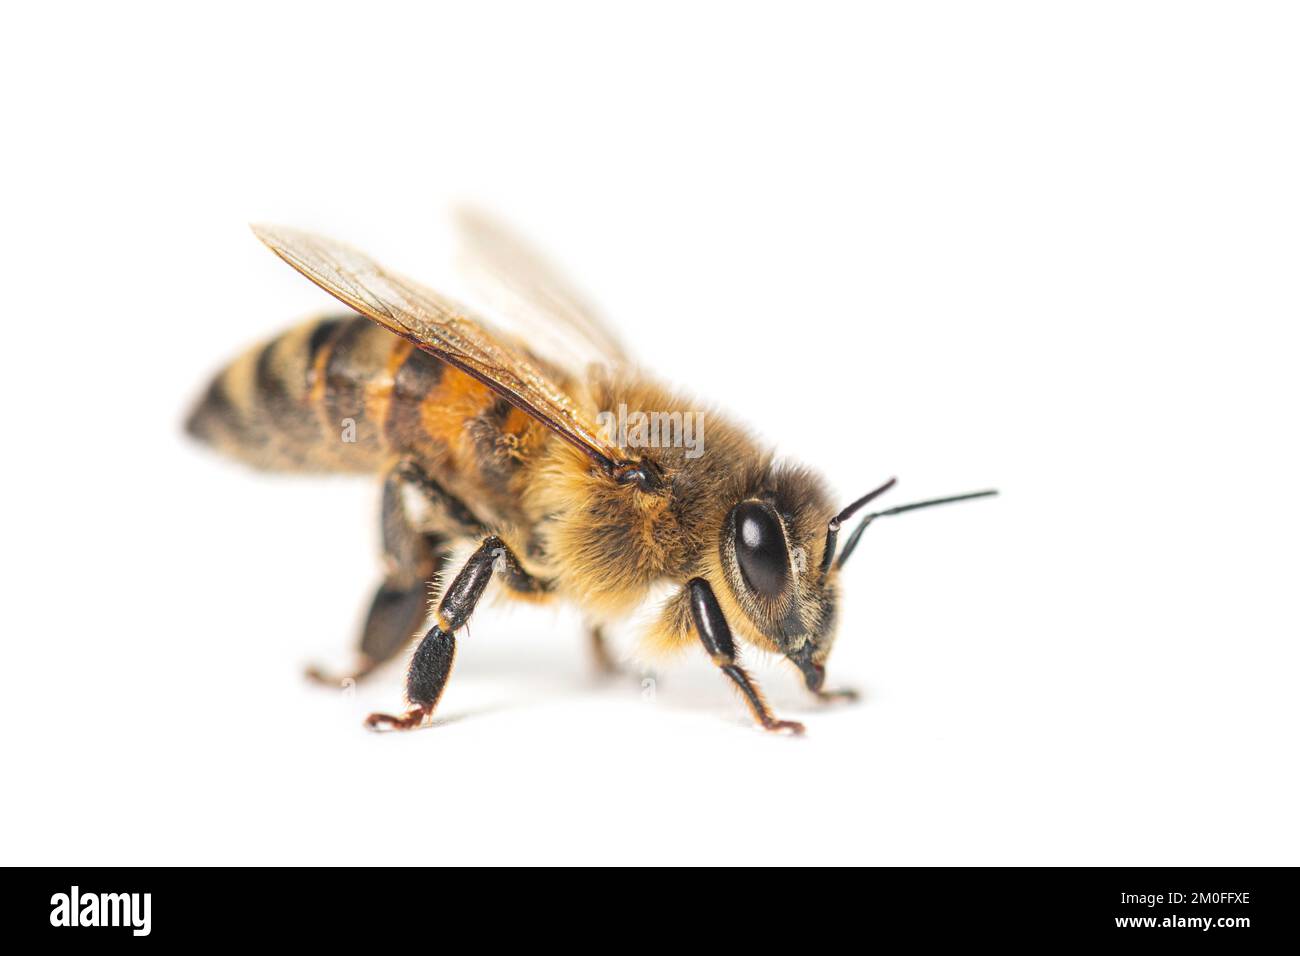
(417, 377)
(283, 377)
(355, 358)
(320, 336)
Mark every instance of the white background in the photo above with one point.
(1050, 248)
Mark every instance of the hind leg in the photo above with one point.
(396, 615)
(431, 663)
(400, 605)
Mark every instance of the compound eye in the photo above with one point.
(760, 549)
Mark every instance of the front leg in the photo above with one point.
(716, 637)
(431, 663)
(814, 676)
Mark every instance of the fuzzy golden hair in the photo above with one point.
(611, 542)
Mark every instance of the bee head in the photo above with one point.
(771, 550)
(779, 557)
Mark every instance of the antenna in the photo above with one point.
(857, 532)
(833, 528)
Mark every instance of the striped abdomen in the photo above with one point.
(344, 394)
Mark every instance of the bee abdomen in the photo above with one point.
(303, 401)
(343, 394)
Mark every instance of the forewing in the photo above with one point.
(439, 326)
(517, 283)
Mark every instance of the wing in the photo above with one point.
(517, 283)
(441, 327)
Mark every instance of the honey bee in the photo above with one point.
(490, 440)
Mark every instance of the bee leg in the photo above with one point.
(604, 660)
(400, 605)
(396, 615)
(716, 637)
(449, 512)
(847, 694)
(814, 675)
(432, 661)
